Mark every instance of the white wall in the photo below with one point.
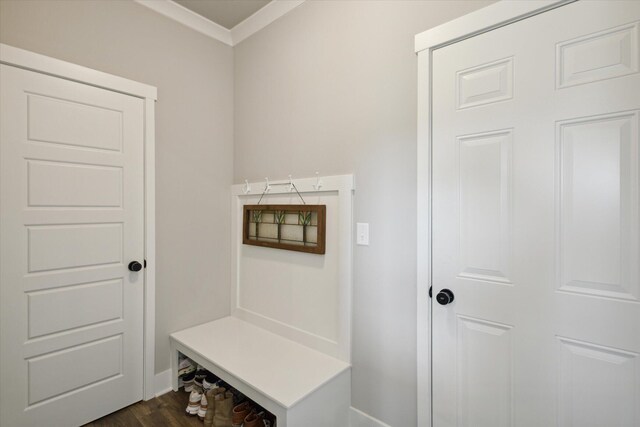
(194, 131)
(331, 87)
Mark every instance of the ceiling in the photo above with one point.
(227, 13)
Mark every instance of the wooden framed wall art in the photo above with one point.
(292, 227)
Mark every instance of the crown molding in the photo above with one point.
(261, 18)
(254, 23)
(189, 18)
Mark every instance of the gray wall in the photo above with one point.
(194, 135)
(331, 87)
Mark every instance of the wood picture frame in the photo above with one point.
(299, 228)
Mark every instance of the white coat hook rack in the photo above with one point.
(318, 185)
(247, 188)
(267, 188)
(290, 184)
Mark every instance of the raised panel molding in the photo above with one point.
(67, 122)
(55, 247)
(55, 374)
(61, 184)
(485, 205)
(71, 307)
(485, 84)
(598, 56)
(484, 373)
(597, 209)
(597, 385)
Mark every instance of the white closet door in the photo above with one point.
(535, 222)
(71, 190)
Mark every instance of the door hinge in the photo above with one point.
(145, 266)
(430, 287)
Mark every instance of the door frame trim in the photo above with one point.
(32, 61)
(483, 20)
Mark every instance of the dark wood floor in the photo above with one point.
(166, 410)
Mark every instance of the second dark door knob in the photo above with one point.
(135, 266)
(445, 297)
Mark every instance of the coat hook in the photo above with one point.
(247, 188)
(318, 183)
(267, 187)
(290, 184)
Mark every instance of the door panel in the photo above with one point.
(598, 206)
(69, 185)
(484, 361)
(54, 374)
(50, 118)
(535, 222)
(72, 218)
(602, 55)
(602, 379)
(485, 196)
(55, 310)
(56, 247)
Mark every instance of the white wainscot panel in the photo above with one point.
(70, 307)
(485, 200)
(603, 55)
(296, 289)
(485, 84)
(61, 121)
(598, 206)
(56, 373)
(597, 385)
(53, 247)
(485, 377)
(57, 184)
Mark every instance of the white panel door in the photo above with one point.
(535, 222)
(71, 193)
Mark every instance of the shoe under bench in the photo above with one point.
(302, 387)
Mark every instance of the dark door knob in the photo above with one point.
(135, 266)
(444, 297)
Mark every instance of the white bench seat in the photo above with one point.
(301, 386)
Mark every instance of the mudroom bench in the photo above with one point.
(302, 387)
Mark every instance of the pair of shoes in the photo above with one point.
(240, 412)
(210, 397)
(185, 365)
(194, 378)
(209, 382)
(255, 419)
(198, 401)
(223, 402)
(245, 415)
(201, 374)
(204, 406)
(188, 381)
(195, 399)
(209, 390)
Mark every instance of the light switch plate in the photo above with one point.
(362, 233)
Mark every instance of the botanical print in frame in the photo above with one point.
(292, 227)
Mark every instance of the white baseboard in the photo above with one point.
(163, 382)
(358, 418)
